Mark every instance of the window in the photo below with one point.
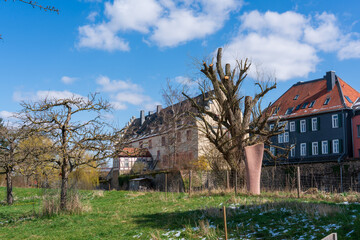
(311, 104)
(289, 111)
(327, 101)
(286, 125)
(272, 150)
(335, 146)
(305, 105)
(335, 121)
(277, 110)
(303, 149)
(126, 163)
(286, 137)
(163, 141)
(358, 130)
(178, 137)
(188, 135)
(281, 138)
(297, 107)
(324, 147)
(150, 144)
(271, 127)
(348, 99)
(292, 151)
(314, 124)
(158, 155)
(302, 126)
(292, 126)
(296, 97)
(315, 148)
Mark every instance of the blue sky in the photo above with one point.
(126, 49)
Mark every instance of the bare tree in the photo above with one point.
(75, 142)
(12, 154)
(177, 118)
(234, 121)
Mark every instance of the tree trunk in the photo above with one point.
(9, 195)
(64, 187)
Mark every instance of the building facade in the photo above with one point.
(318, 116)
(170, 135)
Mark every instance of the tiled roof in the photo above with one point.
(315, 92)
(134, 152)
(160, 122)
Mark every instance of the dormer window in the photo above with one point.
(289, 111)
(311, 104)
(296, 97)
(297, 107)
(348, 99)
(327, 101)
(276, 110)
(305, 105)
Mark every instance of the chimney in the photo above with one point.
(330, 80)
(142, 117)
(150, 112)
(158, 108)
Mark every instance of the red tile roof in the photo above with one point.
(315, 90)
(134, 152)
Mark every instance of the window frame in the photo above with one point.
(302, 149)
(292, 126)
(286, 137)
(292, 150)
(335, 146)
(272, 150)
(315, 148)
(281, 138)
(314, 124)
(324, 146)
(358, 131)
(335, 121)
(303, 126)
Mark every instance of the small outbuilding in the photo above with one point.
(140, 184)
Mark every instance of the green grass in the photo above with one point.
(136, 215)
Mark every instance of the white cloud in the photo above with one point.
(101, 37)
(68, 80)
(185, 81)
(122, 93)
(116, 85)
(40, 95)
(287, 44)
(350, 50)
(92, 16)
(7, 115)
(166, 23)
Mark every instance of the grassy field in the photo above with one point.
(137, 215)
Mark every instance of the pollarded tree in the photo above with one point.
(233, 121)
(78, 134)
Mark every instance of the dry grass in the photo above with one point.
(51, 204)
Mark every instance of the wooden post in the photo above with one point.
(235, 182)
(227, 180)
(225, 225)
(166, 190)
(190, 183)
(298, 181)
